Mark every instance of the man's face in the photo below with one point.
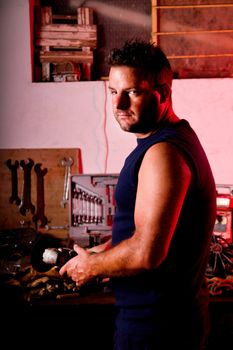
(136, 105)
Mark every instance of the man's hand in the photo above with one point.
(78, 268)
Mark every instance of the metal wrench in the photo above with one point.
(67, 163)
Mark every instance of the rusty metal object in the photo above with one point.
(14, 181)
(26, 204)
(40, 211)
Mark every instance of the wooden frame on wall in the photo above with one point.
(115, 21)
(197, 37)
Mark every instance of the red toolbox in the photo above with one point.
(223, 224)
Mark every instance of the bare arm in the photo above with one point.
(101, 247)
(164, 179)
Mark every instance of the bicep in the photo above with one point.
(164, 179)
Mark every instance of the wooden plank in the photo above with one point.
(79, 16)
(191, 6)
(67, 35)
(45, 71)
(67, 39)
(55, 27)
(87, 71)
(46, 15)
(66, 56)
(88, 15)
(67, 43)
(155, 24)
(53, 184)
(64, 17)
(43, 15)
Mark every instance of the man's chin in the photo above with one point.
(133, 128)
(125, 127)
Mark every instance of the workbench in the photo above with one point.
(88, 319)
(84, 323)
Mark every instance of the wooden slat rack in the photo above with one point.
(196, 36)
(67, 46)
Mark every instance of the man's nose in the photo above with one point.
(122, 101)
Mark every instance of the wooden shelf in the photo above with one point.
(66, 47)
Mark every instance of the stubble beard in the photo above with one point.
(142, 125)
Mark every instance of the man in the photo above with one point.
(166, 209)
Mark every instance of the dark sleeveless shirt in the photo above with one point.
(181, 276)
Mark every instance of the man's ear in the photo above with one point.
(165, 92)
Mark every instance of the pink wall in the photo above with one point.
(60, 115)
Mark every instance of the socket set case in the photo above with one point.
(92, 207)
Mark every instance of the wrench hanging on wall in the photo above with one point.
(66, 163)
(40, 210)
(14, 181)
(26, 204)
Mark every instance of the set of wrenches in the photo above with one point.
(87, 208)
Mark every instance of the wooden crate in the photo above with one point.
(59, 43)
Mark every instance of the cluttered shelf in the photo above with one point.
(49, 288)
(24, 273)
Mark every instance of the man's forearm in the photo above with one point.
(122, 260)
(101, 247)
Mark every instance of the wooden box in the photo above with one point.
(60, 43)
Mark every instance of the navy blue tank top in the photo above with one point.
(182, 273)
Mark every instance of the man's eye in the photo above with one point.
(134, 92)
(112, 92)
